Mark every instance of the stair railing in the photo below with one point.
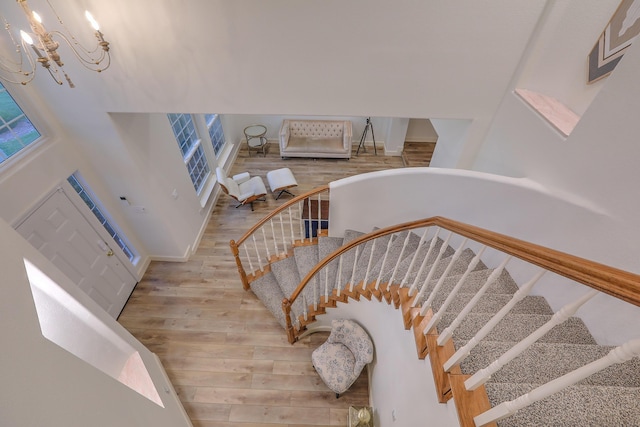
(280, 230)
(601, 278)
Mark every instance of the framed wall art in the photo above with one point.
(617, 36)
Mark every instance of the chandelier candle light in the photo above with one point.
(45, 46)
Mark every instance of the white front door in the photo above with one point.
(62, 234)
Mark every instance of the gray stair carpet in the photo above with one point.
(543, 362)
(516, 327)
(306, 258)
(458, 268)
(373, 254)
(267, 289)
(475, 280)
(492, 303)
(579, 405)
(327, 245)
(402, 258)
(348, 258)
(286, 273)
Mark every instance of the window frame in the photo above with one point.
(39, 125)
(195, 147)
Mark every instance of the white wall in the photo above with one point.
(44, 384)
(452, 135)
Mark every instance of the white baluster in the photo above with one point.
(395, 269)
(246, 251)
(255, 245)
(414, 285)
(284, 239)
(266, 246)
(319, 214)
(310, 220)
(353, 269)
(448, 332)
(384, 261)
(443, 277)
(316, 280)
(300, 209)
(432, 271)
(275, 239)
(465, 350)
(483, 375)
(366, 274)
(293, 237)
(415, 257)
(339, 278)
(326, 283)
(304, 307)
(620, 354)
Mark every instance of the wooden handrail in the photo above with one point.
(281, 208)
(235, 245)
(615, 282)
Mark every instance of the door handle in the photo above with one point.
(110, 252)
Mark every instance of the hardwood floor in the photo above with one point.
(417, 154)
(226, 355)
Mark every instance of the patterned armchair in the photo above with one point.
(342, 357)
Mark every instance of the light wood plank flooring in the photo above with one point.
(226, 355)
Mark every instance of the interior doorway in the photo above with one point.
(419, 143)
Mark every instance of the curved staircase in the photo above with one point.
(432, 283)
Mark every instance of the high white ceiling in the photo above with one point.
(411, 58)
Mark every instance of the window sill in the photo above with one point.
(553, 111)
(207, 190)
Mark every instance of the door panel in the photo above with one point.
(63, 235)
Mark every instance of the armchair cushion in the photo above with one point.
(343, 356)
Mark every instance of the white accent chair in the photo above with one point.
(341, 359)
(242, 187)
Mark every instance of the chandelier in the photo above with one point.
(40, 46)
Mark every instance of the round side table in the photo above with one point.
(256, 139)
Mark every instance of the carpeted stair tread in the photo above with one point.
(492, 303)
(409, 254)
(577, 405)
(380, 248)
(543, 362)
(515, 327)
(458, 268)
(327, 245)
(349, 257)
(267, 289)
(306, 258)
(286, 273)
(419, 255)
(396, 251)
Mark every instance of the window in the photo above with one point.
(16, 130)
(190, 145)
(89, 201)
(215, 132)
